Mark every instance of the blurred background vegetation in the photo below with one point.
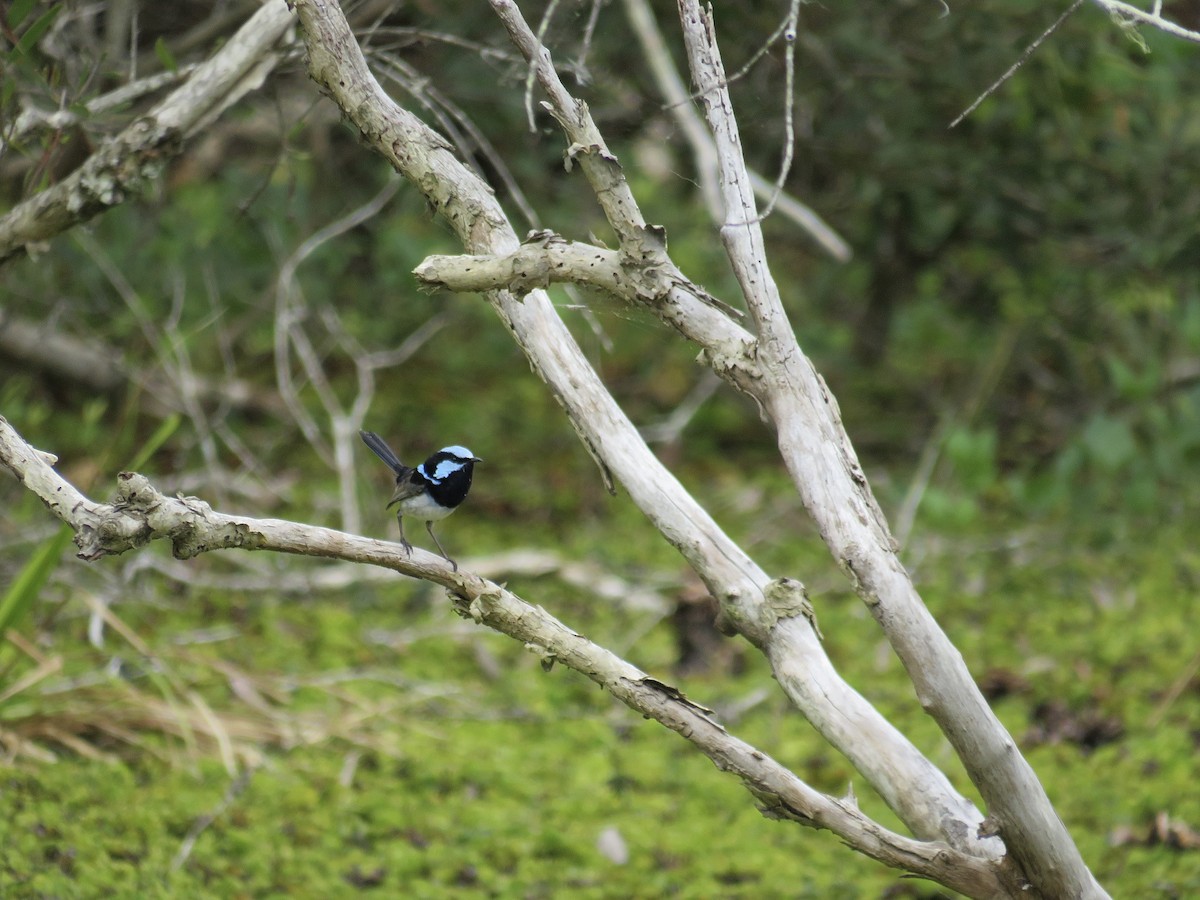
(1015, 347)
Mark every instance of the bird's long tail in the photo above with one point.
(383, 451)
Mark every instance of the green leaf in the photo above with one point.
(163, 52)
(160, 437)
(29, 583)
(18, 11)
(36, 30)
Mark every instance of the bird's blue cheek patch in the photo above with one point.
(445, 469)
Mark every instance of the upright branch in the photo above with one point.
(831, 482)
(704, 153)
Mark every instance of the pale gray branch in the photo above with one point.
(292, 339)
(34, 119)
(1128, 12)
(830, 481)
(678, 100)
(922, 795)
(141, 514)
(543, 259)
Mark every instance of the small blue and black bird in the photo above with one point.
(432, 490)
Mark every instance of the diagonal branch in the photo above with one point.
(140, 514)
(33, 118)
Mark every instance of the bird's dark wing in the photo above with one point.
(409, 483)
(383, 451)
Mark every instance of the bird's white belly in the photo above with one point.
(423, 507)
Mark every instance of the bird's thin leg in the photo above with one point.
(403, 540)
(429, 528)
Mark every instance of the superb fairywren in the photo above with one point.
(432, 490)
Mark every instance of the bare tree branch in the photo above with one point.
(678, 100)
(920, 793)
(1021, 60)
(97, 367)
(292, 339)
(834, 489)
(140, 514)
(1122, 13)
(34, 119)
(1129, 13)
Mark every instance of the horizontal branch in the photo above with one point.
(546, 258)
(543, 259)
(141, 514)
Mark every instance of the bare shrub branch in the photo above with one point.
(829, 479)
(140, 514)
(909, 783)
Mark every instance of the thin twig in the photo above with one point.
(1021, 60)
(467, 136)
(678, 103)
(789, 107)
(585, 43)
(531, 74)
(1178, 686)
(669, 429)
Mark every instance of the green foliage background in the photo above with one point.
(1023, 299)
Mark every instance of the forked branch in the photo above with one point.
(920, 794)
(829, 479)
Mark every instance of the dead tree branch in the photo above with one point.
(1128, 13)
(140, 514)
(917, 790)
(704, 153)
(830, 481)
